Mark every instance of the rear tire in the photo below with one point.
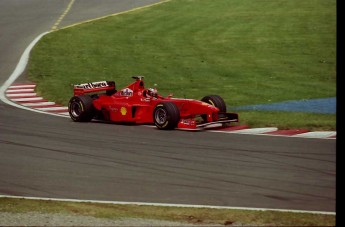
(166, 115)
(81, 108)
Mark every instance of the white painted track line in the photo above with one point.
(166, 205)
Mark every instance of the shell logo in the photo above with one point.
(123, 110)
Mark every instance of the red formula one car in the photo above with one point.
(136, 104)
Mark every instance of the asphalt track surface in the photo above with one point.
(48, 156)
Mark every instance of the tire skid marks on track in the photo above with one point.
(24, 94)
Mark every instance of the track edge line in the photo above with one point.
(166, 205)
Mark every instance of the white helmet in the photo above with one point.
(152, 92)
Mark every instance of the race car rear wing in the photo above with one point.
(94, 87)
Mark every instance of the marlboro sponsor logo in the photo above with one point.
(93, 85)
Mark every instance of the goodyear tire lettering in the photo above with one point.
(212, 103)
(165, 124)
(81, 106)
(215, 100)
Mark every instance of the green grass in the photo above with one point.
(200, 216)
(247, 51)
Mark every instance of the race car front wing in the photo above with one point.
(224, 119)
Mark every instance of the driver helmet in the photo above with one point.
(152, 92)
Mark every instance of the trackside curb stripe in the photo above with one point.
(166, 205)
(21, 95)
(21, 86)
(53, 108)
(19, 90)
(27, 99)
(17, 72)
(37, 104)
(317, 134)
(252, 130)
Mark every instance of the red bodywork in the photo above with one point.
(132, 106)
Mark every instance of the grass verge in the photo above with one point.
(249, 52)
(202, 216)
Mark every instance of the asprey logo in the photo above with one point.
(126, 92)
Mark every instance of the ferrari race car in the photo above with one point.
(139, 105)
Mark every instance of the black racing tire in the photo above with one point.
(217, 101)
(166, 115)
(81, 108)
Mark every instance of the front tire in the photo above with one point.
(217, 101)
(81, 108)
(166, 115)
